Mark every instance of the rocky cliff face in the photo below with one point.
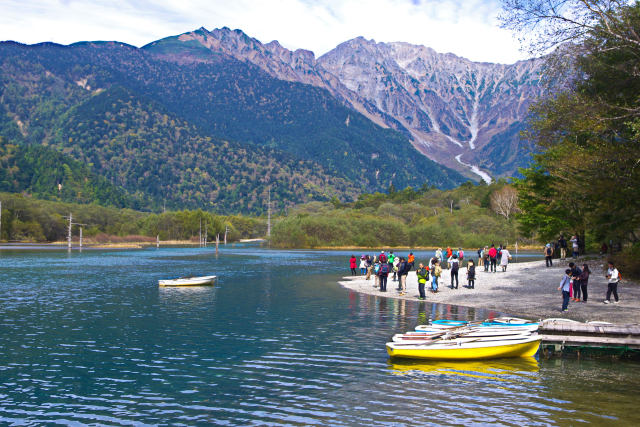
(457, 111)
(463, 114)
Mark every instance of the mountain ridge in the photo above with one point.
(380, 81)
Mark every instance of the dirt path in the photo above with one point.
(527, 289)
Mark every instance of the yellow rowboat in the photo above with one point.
(467, 349)
(189, 281)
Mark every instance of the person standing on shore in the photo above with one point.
(352, 265)
(506, 257)
(565, 287)
(584, 281)
(562, 243)
(383, 273)
(471, 274)
(480, 256)
(369, 266)
(454, 265)
(575, 276)
(363, 265)
(493, 256)
(575, 246)
(485, 260)
(402, 265)
(411, 259)
(613, 276)
(396, 263)
(423, 276)
(437, 271)
(448, 253)
(376, 269)
(548, 255)
(438, 254)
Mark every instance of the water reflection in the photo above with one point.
(499, 369)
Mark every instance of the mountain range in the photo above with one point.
(463, 114)
(213, 119)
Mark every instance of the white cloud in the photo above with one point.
(467, 28)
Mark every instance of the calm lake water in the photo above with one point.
(89, 338)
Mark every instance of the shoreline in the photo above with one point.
(526, 289)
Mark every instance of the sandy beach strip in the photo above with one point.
(526, 289)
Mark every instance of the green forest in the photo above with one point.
(466, 216)
(33, 220)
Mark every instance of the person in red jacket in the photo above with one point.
(493, 257)
(352, 265)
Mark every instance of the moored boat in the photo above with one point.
(474, 333)
(189, 281)
(467, 349)
(478, 326)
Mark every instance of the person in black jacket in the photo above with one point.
(403, 271)
(455, 266)
(575, 276)
(471, 274)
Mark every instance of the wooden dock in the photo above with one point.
(589, 338)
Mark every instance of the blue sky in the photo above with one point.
(467, 28)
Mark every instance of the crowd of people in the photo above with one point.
(574, 284)
(383, 266)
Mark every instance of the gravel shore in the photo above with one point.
(527, 289)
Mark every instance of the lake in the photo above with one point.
(90, 338)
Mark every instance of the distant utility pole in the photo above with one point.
(0, 220)
(71, 224)
(200, 235)
(69, 233)
(217, 242)
(206, 233)
(269, 214)
(226, 230)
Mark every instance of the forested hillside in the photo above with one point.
(165, 131)
(48, 174)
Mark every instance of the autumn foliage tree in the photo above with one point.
(504, 201)
(586, 173)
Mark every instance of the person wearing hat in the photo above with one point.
(382, 257)
(548, 255)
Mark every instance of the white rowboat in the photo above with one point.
(189, 281)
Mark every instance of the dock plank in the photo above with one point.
(593, 341)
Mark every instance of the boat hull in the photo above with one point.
(466, 351)
(191, 281)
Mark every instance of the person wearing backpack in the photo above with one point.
(423, 277)
(382, 258)
(613, 277)
(548, 255)
(460, 254)
(383, 273)
(399, 269)
(403, 271)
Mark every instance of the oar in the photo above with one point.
(448, 331)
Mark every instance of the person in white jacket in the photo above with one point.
(613, 278)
